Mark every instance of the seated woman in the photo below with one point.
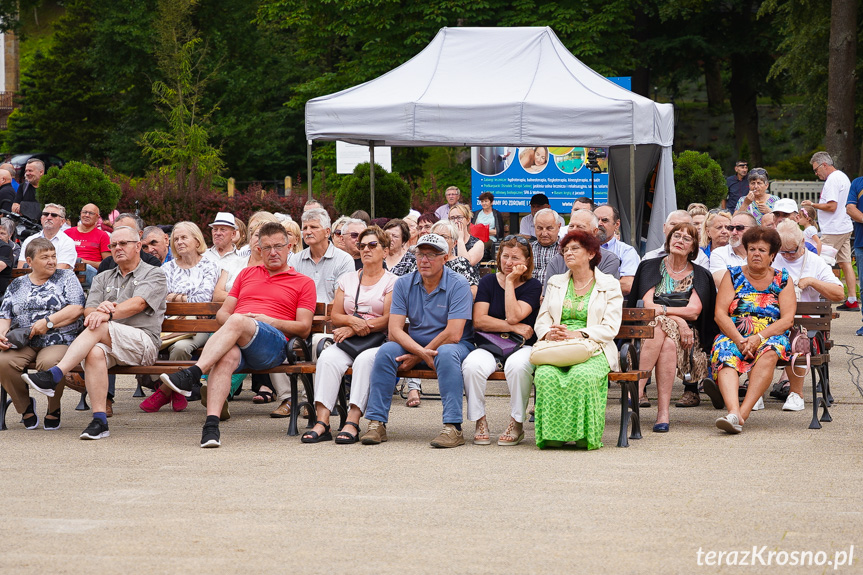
(698, 213)
(581, 303)
(399, 258)
(361, 306)
(191, 278)
(466, 245)
(813, 279)
(714, 232)
(679, 291)
(46, 305)
(294, 234)
(336, 230)
(506, 302)
(754, 310)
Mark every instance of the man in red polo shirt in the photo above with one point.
(91, 243)
(267, 305)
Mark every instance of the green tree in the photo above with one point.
(698, 178)
(77, 185)
(183, 150)
(392, 195)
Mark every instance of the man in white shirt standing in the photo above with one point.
(453, 195)
(671, 220)
(53, 218)
(836, 226)
(734, 254)
(609, 223)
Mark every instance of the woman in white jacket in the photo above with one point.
(581, 303)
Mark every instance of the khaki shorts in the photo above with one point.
(129, 346)
(841, 243)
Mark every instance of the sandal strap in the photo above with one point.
(357, 427)
(55, 413)
(326, 425)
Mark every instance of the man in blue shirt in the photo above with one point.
(854, 207)
(438, 304)
(738, 184)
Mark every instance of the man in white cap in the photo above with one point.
(786, 209)
(438, 303)
(224, 252)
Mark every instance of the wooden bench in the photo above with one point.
(200, 318)
(634, 328)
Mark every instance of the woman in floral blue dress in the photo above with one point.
(754, 310)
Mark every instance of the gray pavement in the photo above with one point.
(149, 500)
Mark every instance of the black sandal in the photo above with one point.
(345, 438)
(266, 397)
(52, 424)
(312, 436)
(30, 421)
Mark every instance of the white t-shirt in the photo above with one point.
(63, 245)
(809, 233)
(835, 189)
(807, 266)
(723, 258)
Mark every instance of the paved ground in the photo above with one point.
(149, 500)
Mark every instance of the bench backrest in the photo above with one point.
(80, 271)
(201, 317)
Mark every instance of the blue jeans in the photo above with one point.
(266, 349)
(447, 364)
(858, 253)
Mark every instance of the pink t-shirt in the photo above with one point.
(371, 297)
(90, 245)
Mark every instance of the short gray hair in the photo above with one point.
(594, 220)
(821, 158)
(9, 225)
(356, 221)
(57, 207)
(139, 223)
(124, 228)
(449, 225)
(545, 212)
(681, 213)
(153, 230)
(319, 214)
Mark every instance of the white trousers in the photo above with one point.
(519, 378)
(331, 367)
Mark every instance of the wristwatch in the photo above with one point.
(49, 323)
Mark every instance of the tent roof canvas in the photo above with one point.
(491, 86)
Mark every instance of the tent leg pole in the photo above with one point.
(309, 166)
(372, 174)
(634, 241)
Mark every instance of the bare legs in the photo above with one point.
(759, 380)
(659, 352)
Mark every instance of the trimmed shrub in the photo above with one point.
(698, 178)
(392, 195)
(77, 185)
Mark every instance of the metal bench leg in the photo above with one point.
(826, 400)
(635, 414)
(295, 409)
(816, 403)
(5, 402)
(82, 404)
(310, 401)
(342, 402)
(622, 440)
(138, 391)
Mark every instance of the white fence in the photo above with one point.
(796, 190)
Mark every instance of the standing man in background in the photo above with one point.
(738, 184)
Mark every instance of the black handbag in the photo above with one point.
(673, 299)
(500, 345)
(356, 344)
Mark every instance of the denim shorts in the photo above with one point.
(267, 349)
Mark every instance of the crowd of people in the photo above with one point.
(409, 293)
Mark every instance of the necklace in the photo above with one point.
(582, 299)
(674, 271)
(581, 287)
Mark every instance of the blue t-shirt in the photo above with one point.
(490, 292)
(855, 197)
(428, 313)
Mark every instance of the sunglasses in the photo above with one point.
(353, 235)
(367, 245)
(789, 252)
(737, 228)
(517, 238)
(51, 215)
(337, 232)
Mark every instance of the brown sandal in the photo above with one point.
(513, 435)
(482, 436)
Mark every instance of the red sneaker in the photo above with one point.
(178, 402)
(849, 306)
(155, 402)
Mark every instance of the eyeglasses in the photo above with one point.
(789, 252)
(572, 249)
(681, 238)
(427, 257)
(353, 235)
(51, 215)
(277, 247)
(457, 218)
(337, 232)
(121, 245)
(743, 165)
(85, 213)
(815, 169)
(368, 245)
(736, 228)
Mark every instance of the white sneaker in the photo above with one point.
(759, 405)
(793, 403)
(729, 424)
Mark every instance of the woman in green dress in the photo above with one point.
(581, 303)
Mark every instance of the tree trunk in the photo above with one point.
(744, 99)
(713, 82)
(641, 74)
(839, 138)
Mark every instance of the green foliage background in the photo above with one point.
(77, 185)
(698, 178)
(392, 195)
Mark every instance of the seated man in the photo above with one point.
(53, 218)
(537, 202)
(586, 221)
(122, 320)
(438, 304)
(321, 261)
(91, 243)
(266, 305)
(609, 225)
(157, 243)
(137, 224)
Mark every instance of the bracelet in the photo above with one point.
(110, 316)
(763, 339)
(665, 310)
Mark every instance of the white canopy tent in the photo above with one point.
(510, 87)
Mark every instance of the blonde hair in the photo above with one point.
(464, 209)
(196, 233)
(257, 220)
(703, 238)
(293, 228)
(810, 214)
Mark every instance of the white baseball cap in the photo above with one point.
(434, 241)
(786, 206)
